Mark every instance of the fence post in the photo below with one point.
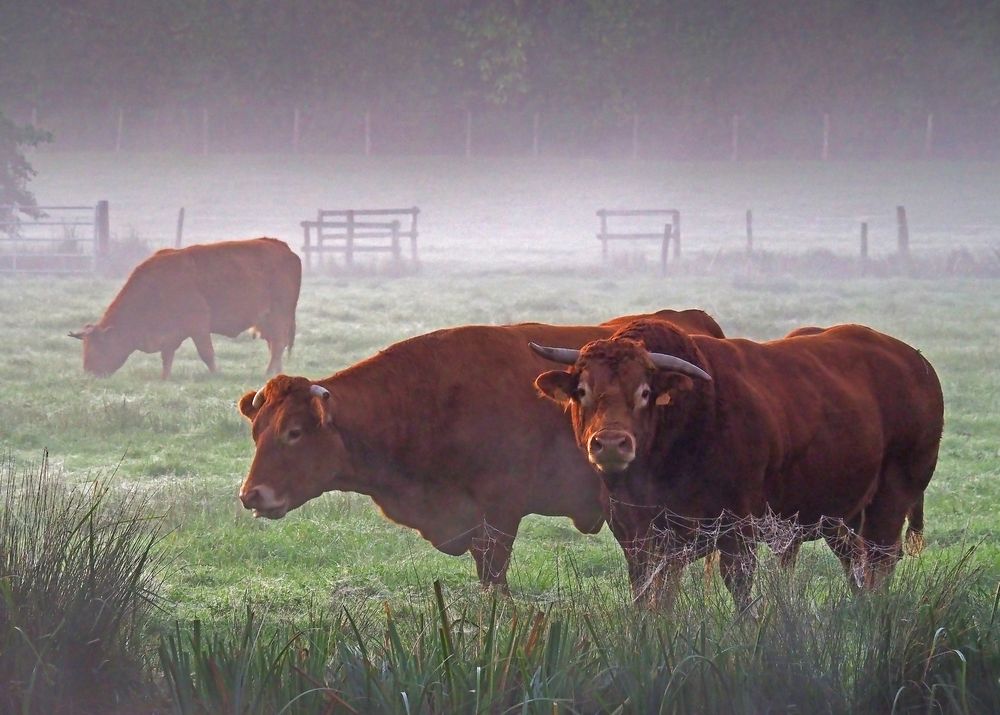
(296, 118)
(825, 152)
(395, 240)
(929, 136)
(664, 249)
(102, 229)
(468, 133)
(902, 232)
(534, 135)
(677, 235)
(349, 248)
(749, 232)
(179, 236)
(118, 133)
(735, 138)
(413, 235)
(204, 130)
(368, 132)
(603, 215)
(635, 137)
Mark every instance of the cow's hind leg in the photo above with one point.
(203, 343)
(492, 546)
(276, 348)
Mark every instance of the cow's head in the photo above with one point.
(300, 452)
(103, 350)
(616, 392)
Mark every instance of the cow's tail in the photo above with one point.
(291, 336)
(914, 542)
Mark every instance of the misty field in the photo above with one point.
(504, 241)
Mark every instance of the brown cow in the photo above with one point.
(443, 431)
(837, 428)
(191, 292)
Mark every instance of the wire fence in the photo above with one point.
(338, 129)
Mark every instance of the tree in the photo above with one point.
(15, 171)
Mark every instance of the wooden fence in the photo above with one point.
(54, 239)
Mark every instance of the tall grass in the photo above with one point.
(77, 575)
(930, 643)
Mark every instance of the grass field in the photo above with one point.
(185, 446)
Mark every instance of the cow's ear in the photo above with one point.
(557, 385)
(668, 385)
(246, 405)
(323, 406)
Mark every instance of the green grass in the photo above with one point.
(185, 442)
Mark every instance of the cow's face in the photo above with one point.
(615, 393)
(300, 453)
(103, 350)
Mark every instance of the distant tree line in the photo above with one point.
(599, 59)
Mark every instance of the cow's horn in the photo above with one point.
(258, 399)
(319, 391)
(669, 362)
(566, 356)
(78, 334)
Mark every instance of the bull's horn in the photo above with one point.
(78, 334)
(258, 399)
(319, 391)
(669, 362)
(566, 356)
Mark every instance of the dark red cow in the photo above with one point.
(835, 429)
(443, 431)
(192, 292)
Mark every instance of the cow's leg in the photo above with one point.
(167, 359)
(881, 532)
(276, 348)
(737, 563)
(844, 541)
(203, 342)
(491, 548)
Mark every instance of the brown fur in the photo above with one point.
(839, 423)
(445, 434)
(191, 292)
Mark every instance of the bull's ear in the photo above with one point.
(246, 405)
(669, 385)
(557, 385)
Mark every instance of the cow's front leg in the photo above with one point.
(738, 563)
(492, 547)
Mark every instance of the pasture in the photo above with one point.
(498, 249)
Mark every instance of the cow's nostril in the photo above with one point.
(624, 443)
(596, 445)
(250, 498)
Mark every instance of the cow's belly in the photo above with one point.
(837, 489)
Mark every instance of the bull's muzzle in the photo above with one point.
(611, 450)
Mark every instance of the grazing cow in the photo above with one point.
(443, 431)
(192, 292)
(836, 429)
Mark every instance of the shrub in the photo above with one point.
(77, 574)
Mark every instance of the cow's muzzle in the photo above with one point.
(264, 502)
(611, 451)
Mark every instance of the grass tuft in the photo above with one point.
(77, 576)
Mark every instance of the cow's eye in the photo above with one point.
(645, 393)
(293, 434)
(580, 393)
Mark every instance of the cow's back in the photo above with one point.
(242, 282)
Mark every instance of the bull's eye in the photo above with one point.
(292, 435)
(580, 393)
(645, 393)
